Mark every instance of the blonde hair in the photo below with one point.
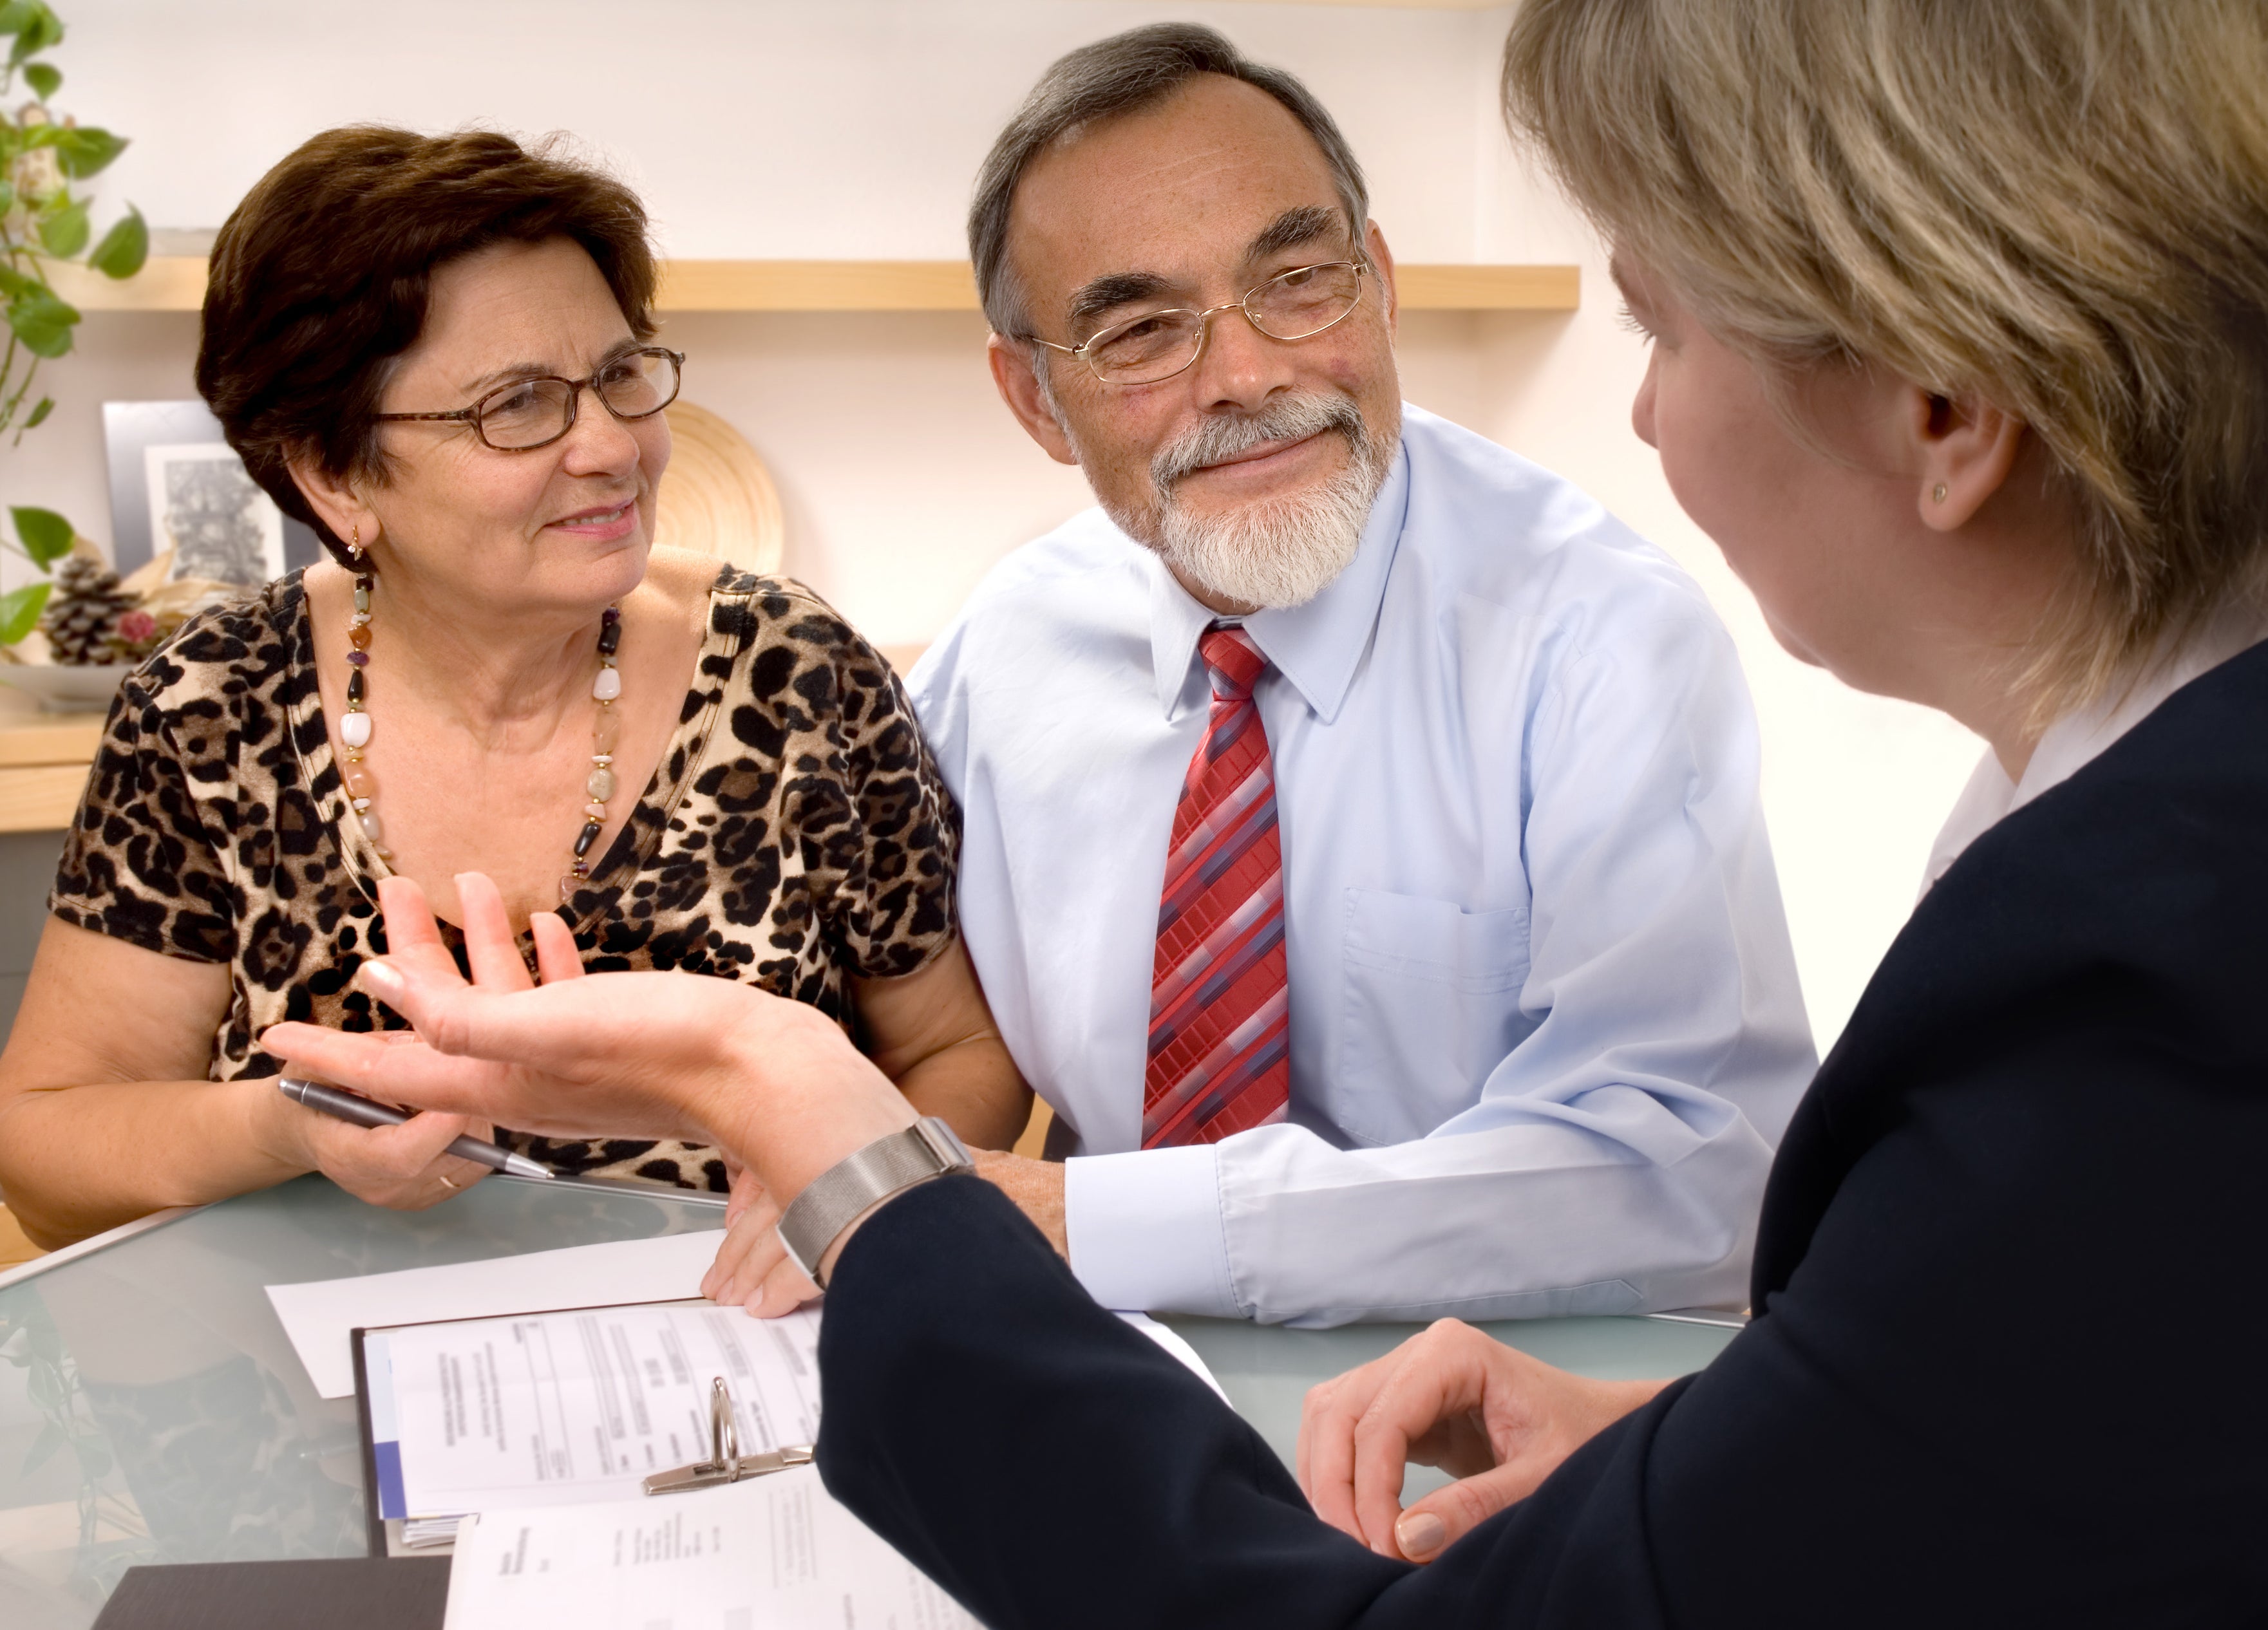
(2059, 205)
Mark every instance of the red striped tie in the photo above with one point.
(1219, 1031)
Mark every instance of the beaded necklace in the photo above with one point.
(606, 732)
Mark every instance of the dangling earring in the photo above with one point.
(1939, 493)
(354, 544)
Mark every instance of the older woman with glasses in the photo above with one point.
(439, 354)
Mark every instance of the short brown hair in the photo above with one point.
(321, 276)
(2059, 205)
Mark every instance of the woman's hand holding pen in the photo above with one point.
(406, 1168)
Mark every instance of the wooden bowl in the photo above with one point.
(718, 499)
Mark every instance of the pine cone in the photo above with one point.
(82, 611)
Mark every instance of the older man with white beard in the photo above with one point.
(1361, 849)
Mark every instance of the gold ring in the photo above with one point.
(447, 1184)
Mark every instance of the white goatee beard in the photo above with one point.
(1282, 552)
(1277, 553)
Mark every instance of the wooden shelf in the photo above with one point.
(43, 770)
(177, 283)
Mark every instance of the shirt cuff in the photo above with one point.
(1145, 1231)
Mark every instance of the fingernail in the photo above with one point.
(1420, 1534)
(382, 981)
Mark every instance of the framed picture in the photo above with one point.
(175, 483)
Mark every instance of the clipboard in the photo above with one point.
(764, 1366)
(385, 1511)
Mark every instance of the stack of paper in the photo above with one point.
(519, 1404)
(774, 1553)
(561, 1409)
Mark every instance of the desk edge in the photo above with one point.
(90, 1245)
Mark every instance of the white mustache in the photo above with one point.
(1212, 440)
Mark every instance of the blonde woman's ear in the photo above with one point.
(1964, 448)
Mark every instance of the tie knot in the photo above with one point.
(1233, 660)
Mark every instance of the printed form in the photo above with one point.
(773, 1553)
(567, 1408)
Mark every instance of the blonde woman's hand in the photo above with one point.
(774, 1084)
(1450, 1397)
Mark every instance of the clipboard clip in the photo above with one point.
(725, 1463)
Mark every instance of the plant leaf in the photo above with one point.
(44, 78)
(7, 197)
(47, 536)
(44, 1446)
(84, 150)
(15, 284)
(33, 35)
(15, 14)
(64, 233)
(19, 614)
(124, 247)
(43, 323)
(46, 406)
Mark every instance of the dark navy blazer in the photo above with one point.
(2010, 1361)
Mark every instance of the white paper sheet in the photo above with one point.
(320, 1316)
(570, 1407)
(1175, 1342)
(776, 1552)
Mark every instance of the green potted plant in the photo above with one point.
(45, 221)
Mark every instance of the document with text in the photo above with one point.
(774, 1553)
(577, 1405)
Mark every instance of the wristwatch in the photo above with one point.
(831, 1201)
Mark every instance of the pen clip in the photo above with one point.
(725, 1463)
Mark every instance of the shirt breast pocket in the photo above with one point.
(1431, 1006)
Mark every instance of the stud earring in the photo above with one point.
(1939, 493)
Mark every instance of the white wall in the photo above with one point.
(851, 129)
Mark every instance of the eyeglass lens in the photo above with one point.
(1158, 344)
(535, 411)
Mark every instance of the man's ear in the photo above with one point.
(1964, 448)
(335, 500)
(1382, 257)
(1012, 371)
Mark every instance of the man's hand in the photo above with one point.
(1500, 1421)
(775, 1083)
(1036, 1186)
(752, 1266)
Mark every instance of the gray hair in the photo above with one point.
(1125, 74)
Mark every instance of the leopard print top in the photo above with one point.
(795, 835)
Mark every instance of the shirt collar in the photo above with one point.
(1315, 646)
(2076, 739)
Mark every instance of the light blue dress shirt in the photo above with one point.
(1545, 1023)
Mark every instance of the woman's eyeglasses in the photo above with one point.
(528, 414)
(1296, 304)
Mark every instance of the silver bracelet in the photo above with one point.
(834, 1199)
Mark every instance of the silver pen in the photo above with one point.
(358, 1111)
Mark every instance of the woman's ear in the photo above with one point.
(1964, 448)
(335, 499)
